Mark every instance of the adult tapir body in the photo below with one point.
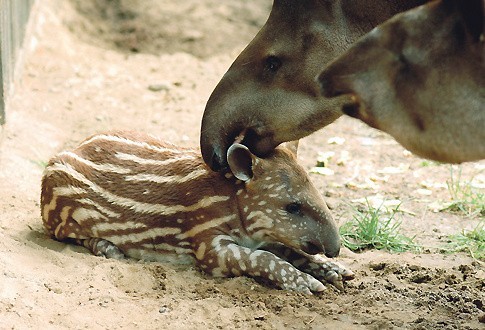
(270, 90)
(421, 78)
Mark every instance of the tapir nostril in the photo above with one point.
(312, 248)
(213, 157)
(218, 162)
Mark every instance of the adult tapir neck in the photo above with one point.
(270, 90)
(346, 18)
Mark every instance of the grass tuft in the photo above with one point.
(465, 198)
(472, 241)
(373, 229)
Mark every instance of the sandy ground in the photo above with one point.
(94, 65)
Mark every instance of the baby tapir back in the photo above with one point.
(130, 194)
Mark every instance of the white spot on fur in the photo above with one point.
(280, 187)
(200, 253)
(263, 221)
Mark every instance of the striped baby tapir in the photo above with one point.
(128, 194)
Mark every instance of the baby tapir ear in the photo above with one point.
(240, 161)
(292, 146)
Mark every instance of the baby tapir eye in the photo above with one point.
(293, 208)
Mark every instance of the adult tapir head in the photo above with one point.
(420, 77)
(269, 92)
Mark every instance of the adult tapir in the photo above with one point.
(420, 77)
(270, 91)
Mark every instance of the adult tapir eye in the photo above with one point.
(272, 63)
(293, 208)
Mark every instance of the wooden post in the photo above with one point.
(4, 38)
(2, 87)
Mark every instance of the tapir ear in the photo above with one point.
(240, 161)
(472, 13)
(292, 146)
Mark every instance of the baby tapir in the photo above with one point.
(127, 194)
(420, 77)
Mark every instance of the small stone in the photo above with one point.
(322, 170)
(192, 35)
(424, 192)
(377, 266)
(336, 140)
(420, 278)
(324, 158)
(162, 86)
(344, 158)
(164, 309)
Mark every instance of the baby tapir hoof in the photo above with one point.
(306, 284)
(314, 271)
(315, 275)
(330, 272)
(102, 248)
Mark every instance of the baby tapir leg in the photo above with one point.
(101, 248)
(65, 228)
(320, 267)
(225, 257)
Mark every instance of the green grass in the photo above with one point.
(375, 229)
(472, 241)
(426, 163)
(42, 164)
(465, 198)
